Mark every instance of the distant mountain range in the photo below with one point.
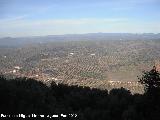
(15, 42)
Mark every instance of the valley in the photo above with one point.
(102, 64)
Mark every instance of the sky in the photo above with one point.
(55, 17)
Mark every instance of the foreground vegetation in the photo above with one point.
(22, 95)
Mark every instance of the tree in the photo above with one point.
(150, 80)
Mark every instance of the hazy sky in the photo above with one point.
(50, 17)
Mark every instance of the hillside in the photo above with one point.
(28, 96)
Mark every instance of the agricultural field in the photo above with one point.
(87, 60)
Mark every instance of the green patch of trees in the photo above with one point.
(92, 75)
